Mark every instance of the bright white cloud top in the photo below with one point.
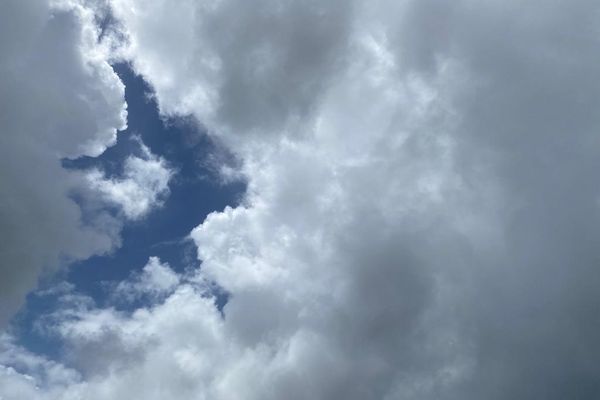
(422, 213)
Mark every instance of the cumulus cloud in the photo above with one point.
(142, 187)
(421, 214)
(59, 98)
(156, 280)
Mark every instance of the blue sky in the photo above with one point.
(195, 191)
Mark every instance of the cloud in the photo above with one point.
(143, 185)
(52, 373)
(156, 281)
(262, 83)
(59, 98)
(421, 214)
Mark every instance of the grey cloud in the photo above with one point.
(421, 213)
(58, 99)
(530, 116)
(265, 82)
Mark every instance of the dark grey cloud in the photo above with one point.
(528, 121)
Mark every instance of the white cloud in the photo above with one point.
(16, 357)
(37, 376)
(142, 186)
(421, 217)
(156, 281)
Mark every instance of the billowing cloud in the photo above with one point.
(421, 220)
(156, 280)
(143, 185)
(59, 98)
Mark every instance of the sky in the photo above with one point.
(284, 199)
(194, 192)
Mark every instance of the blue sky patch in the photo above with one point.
(195, 191)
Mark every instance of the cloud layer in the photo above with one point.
(421, 220)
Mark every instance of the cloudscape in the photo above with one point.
(299, 199)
